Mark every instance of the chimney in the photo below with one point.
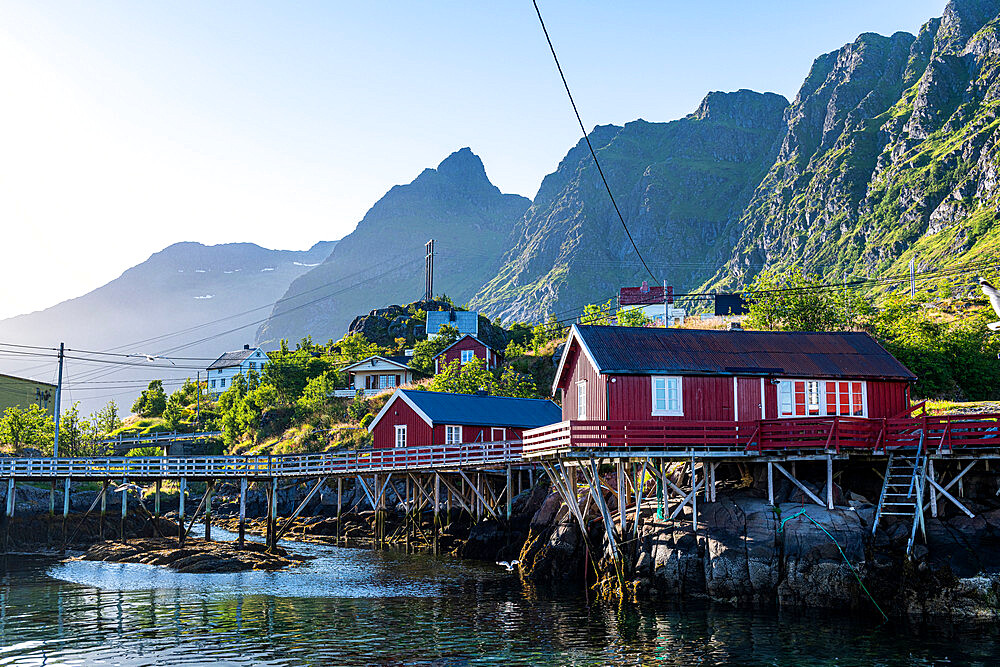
(246, 346)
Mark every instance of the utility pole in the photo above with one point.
(58, 407)
(197, 414)
(913, 281)
(666, 308)
(429, 270)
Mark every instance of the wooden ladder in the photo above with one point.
(903, 489)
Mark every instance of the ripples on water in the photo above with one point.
(363, 607)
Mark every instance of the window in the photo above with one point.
(213, 384)
(813, 398)
(383, 381)
(222, 382)
(253, 365)
(581, 399)
(401, 435)
(667, 399)
(498, 434)
(452, 435)
(467, 356)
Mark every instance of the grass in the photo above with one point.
(940, 407)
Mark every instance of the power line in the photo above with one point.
(586, 138)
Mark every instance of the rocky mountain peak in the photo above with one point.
(961, 20)
(743, 108)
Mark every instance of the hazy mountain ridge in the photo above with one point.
(381, 263)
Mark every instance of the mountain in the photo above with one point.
(680, 186)
(890, 152)
(179, 289)
(382, 261)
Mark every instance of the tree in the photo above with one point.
(597, 314)
(152, 401)
(106, 420)
(29, 427)
(473, 377)
(318, 392)
(799, 302)
(425, 351)
(356, 347)
(632, 317)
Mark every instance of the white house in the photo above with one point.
(229, 365)
(376, 374)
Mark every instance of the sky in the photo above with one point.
(127, 126)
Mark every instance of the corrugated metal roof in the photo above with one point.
(471, 410)
(648, 350)
(467, 322)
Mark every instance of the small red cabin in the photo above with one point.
(465, 349)
(413, 418)
(643, 373)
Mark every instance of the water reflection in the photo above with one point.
(364, 607)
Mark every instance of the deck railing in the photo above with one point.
(943, 434)
(402, 459)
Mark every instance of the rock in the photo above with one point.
(197, 556)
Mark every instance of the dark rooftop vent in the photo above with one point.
(246, 346)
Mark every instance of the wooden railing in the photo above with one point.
(943, 434)
(402, 459)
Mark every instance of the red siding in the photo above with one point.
(887, 399)
(455, 353)
(417, 430)
(770, 399)
(748, 398)
(582, 369)
(419, 434)
(704, 398)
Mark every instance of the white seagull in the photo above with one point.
(509, 565)
(994, 296)
(152, 357)
(134, 488)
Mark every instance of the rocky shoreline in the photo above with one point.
(196, 556)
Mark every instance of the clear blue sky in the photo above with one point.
(127, 126)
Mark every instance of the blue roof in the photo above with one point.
(474, 410)
(465, 321)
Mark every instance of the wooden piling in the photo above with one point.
(156, 508)
(104, 507)
(437, 510)
(180, 511)
(340, 506)
(8, 515)
(65, 514)
(209, 487)
(510, 492)
(243, 511)
(121, 535)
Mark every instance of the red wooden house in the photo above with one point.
(465, 349)
(413, 418)
(651, 374)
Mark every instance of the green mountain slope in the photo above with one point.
(890, 153)
(382, 261)
(680, 186)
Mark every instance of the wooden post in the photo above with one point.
(243, 511)
(180, 511)
(437, 508)
(406, 512)
(209, 487)
(65, 515)
(622, 515)
(930, 474)
(510, 491)
(124, 508)
(156, 507)
(829, 482)
(104, 506)
(770, 484)
(340, 506)
(694, 496)
(274, 512)
(9, 513)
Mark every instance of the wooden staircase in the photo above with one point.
(903, 489)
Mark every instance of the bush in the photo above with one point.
(366, 420)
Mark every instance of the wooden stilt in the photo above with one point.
(156, 506)
(273, 512)
(104, 507)
(340, 506)
(65, 514)
(8, 515)
(770, 483)
(622, 500)
(124, 510)
(209, 488)
(932, 479)
(694, 496)
(298, 510)
(243, 511)
(510, 497)
(829, 482)
(180, 510)
(437, 510)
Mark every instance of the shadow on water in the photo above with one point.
(351, 606)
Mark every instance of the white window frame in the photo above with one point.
(222, 382)
(467, 356)
(581, 399)
(401, 435)
(674, 407)
(503, 434)
(451, 432)
(786, 397)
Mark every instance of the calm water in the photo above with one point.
(362, 607)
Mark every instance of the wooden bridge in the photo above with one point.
(917, 453)
(478, 477)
